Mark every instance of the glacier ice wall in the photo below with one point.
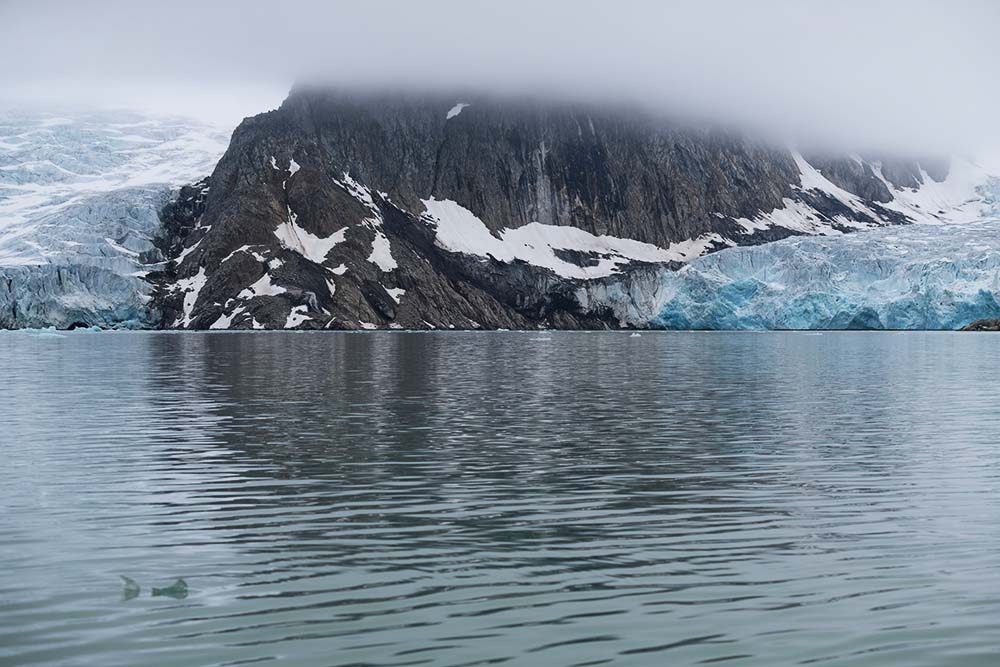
(79, 202)
(907, 277)
(64, 296)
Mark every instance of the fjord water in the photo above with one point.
(549, 498)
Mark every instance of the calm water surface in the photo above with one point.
(519, 498)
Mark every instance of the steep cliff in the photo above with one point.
(348, 210)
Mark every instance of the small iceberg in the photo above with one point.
(177, 590)
(131, 588)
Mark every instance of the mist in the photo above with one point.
(906, 76)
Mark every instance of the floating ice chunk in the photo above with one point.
(177, 590)
(455, 110)
(130, 589)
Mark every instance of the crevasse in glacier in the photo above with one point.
(907, 277)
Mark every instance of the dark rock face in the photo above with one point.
(852, 175)
(906, 173)
(316, 217)
(983, 325)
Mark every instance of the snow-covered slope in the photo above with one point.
(967, 193)
(79, 197)
(908, 277)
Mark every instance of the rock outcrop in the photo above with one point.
(983, 325)
(346, 210)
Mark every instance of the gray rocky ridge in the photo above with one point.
(348, 210)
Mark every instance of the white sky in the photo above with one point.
(913, 75)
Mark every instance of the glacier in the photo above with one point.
(919, 276)
(80, 195)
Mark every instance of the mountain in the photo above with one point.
(353, 210)
(347, 210)
(80, 199)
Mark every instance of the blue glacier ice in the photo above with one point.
(905, 277)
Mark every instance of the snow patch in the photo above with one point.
(245, 248)
(965, 196)
(969, 194)
(381, 255)
(187, 251)
(381, 251)
(297, 316)
(396, 292)
(263, 287)
(310, 246)
(192, 288)
(459, 230)
(225, 321)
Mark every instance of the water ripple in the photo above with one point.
(470, 499)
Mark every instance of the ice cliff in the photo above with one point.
(908, 277)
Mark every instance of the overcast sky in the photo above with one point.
(913, 74)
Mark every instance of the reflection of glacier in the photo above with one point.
(78, 203)
(908, 277)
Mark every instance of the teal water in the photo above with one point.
(549, 498)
